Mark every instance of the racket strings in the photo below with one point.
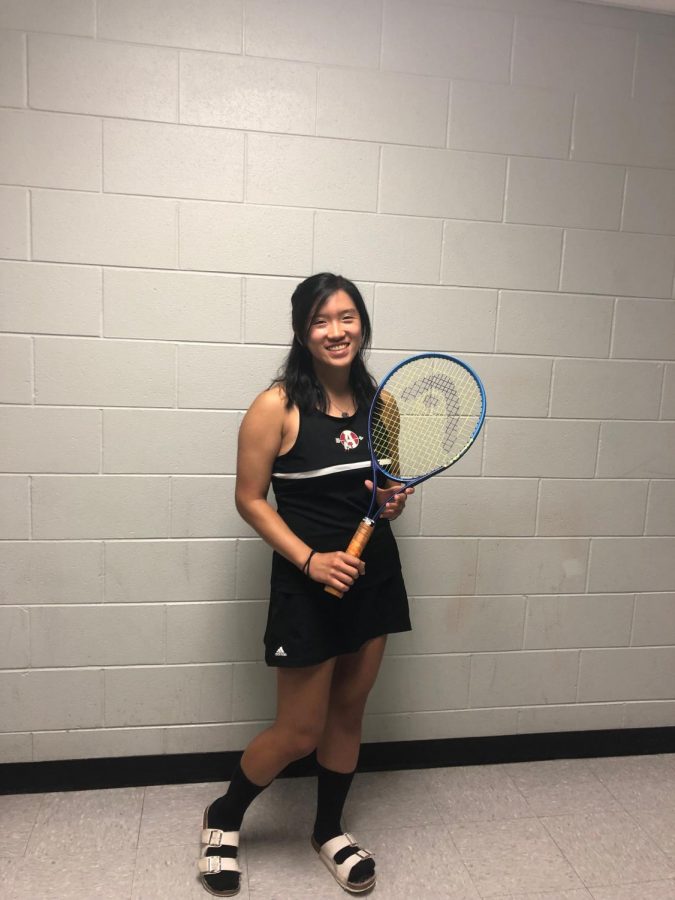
(425, 416)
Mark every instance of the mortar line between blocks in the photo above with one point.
(622, 211)
(636, 51)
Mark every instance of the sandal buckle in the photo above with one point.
(213, 865)
(215, 839)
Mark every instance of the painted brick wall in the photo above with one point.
(499, 178)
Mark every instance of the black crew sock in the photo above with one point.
(333, 788)
(227, 814)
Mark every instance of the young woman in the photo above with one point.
(307, 435)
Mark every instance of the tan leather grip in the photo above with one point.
(356, 547)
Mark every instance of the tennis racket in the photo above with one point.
(425, 414)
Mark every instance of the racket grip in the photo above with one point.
(356, 547)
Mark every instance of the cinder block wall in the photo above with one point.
(499, 177)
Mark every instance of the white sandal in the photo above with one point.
(214, 864)
(340, 871)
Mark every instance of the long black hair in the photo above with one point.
(296, 375)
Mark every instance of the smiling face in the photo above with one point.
(334, 335)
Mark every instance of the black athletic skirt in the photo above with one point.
(309, 626)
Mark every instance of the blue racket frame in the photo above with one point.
(411, 482)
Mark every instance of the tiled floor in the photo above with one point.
(572, 829)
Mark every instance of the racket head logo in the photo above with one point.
(349, 439)
(438, 396)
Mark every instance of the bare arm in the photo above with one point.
(260, 438)
(259, 442)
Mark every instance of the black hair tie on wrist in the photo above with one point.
(305, 568)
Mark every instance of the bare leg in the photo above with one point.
(353, 679)
(302, 702)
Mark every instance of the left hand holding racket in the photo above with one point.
(392, 499)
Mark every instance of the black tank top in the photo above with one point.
(320, 493)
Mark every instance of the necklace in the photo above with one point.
(343, 413)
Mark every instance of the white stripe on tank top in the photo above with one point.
(329, 470)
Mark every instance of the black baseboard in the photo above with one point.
(185, 768)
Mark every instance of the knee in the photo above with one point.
(348, 710)
(299, 743)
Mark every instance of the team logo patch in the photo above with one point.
(349, 439)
